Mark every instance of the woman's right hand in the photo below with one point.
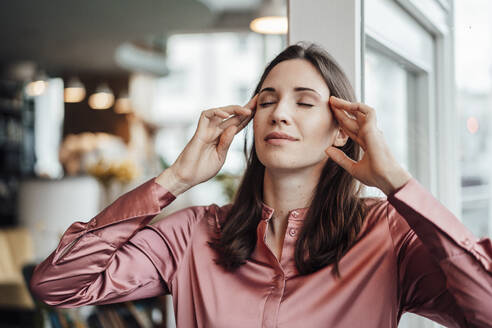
(205, 154)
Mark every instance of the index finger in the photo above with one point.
(339, 103)
(339, 112)
(252, 102)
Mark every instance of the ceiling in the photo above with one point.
(81, 36)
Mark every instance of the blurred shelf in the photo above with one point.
(16, 146)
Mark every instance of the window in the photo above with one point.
(473, 100)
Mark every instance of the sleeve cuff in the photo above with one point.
(147, 199)
(424, 213)
(164, 196)
(392, 194)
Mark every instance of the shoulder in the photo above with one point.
(374, 205)
(217, 215)
(379, 208)
(374, 209)
(189, 217)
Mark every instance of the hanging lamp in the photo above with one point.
(102, 98)
(271, 18)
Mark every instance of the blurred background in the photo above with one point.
(97, 97)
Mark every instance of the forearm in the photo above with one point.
(465, 260)
(87, 249)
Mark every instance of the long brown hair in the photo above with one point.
(336, 213)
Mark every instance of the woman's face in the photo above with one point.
(294, 100)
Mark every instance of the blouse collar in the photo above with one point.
(297, 214)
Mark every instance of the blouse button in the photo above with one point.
(292, 232)
(466, 242)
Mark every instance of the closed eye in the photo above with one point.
(300, 104)
(266, 104)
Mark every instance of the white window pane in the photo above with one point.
(386, 91)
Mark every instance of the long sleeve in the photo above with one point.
(445, 271)
(105, 260)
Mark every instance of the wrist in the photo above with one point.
(170, 180)
(394, 181)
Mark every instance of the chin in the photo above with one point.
(279, 161)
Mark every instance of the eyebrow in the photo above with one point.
(297, 89)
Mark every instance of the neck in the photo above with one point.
(287, 190)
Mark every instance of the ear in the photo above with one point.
(340, 138)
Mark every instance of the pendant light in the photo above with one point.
(123, 104)
(102, 98)
(271, 18)
(38, 85)
(74, 91)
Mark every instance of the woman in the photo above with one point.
(298, 247)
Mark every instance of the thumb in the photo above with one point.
(340, 158)
(225, 140)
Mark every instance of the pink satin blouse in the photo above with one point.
(413, 256)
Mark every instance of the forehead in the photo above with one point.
(296, 73)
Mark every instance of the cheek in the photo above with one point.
(259, 123)
(320, 129)
(256, 129)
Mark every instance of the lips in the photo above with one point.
(279, 135)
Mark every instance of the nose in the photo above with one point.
(280, 113)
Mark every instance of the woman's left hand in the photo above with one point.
(377, 167)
